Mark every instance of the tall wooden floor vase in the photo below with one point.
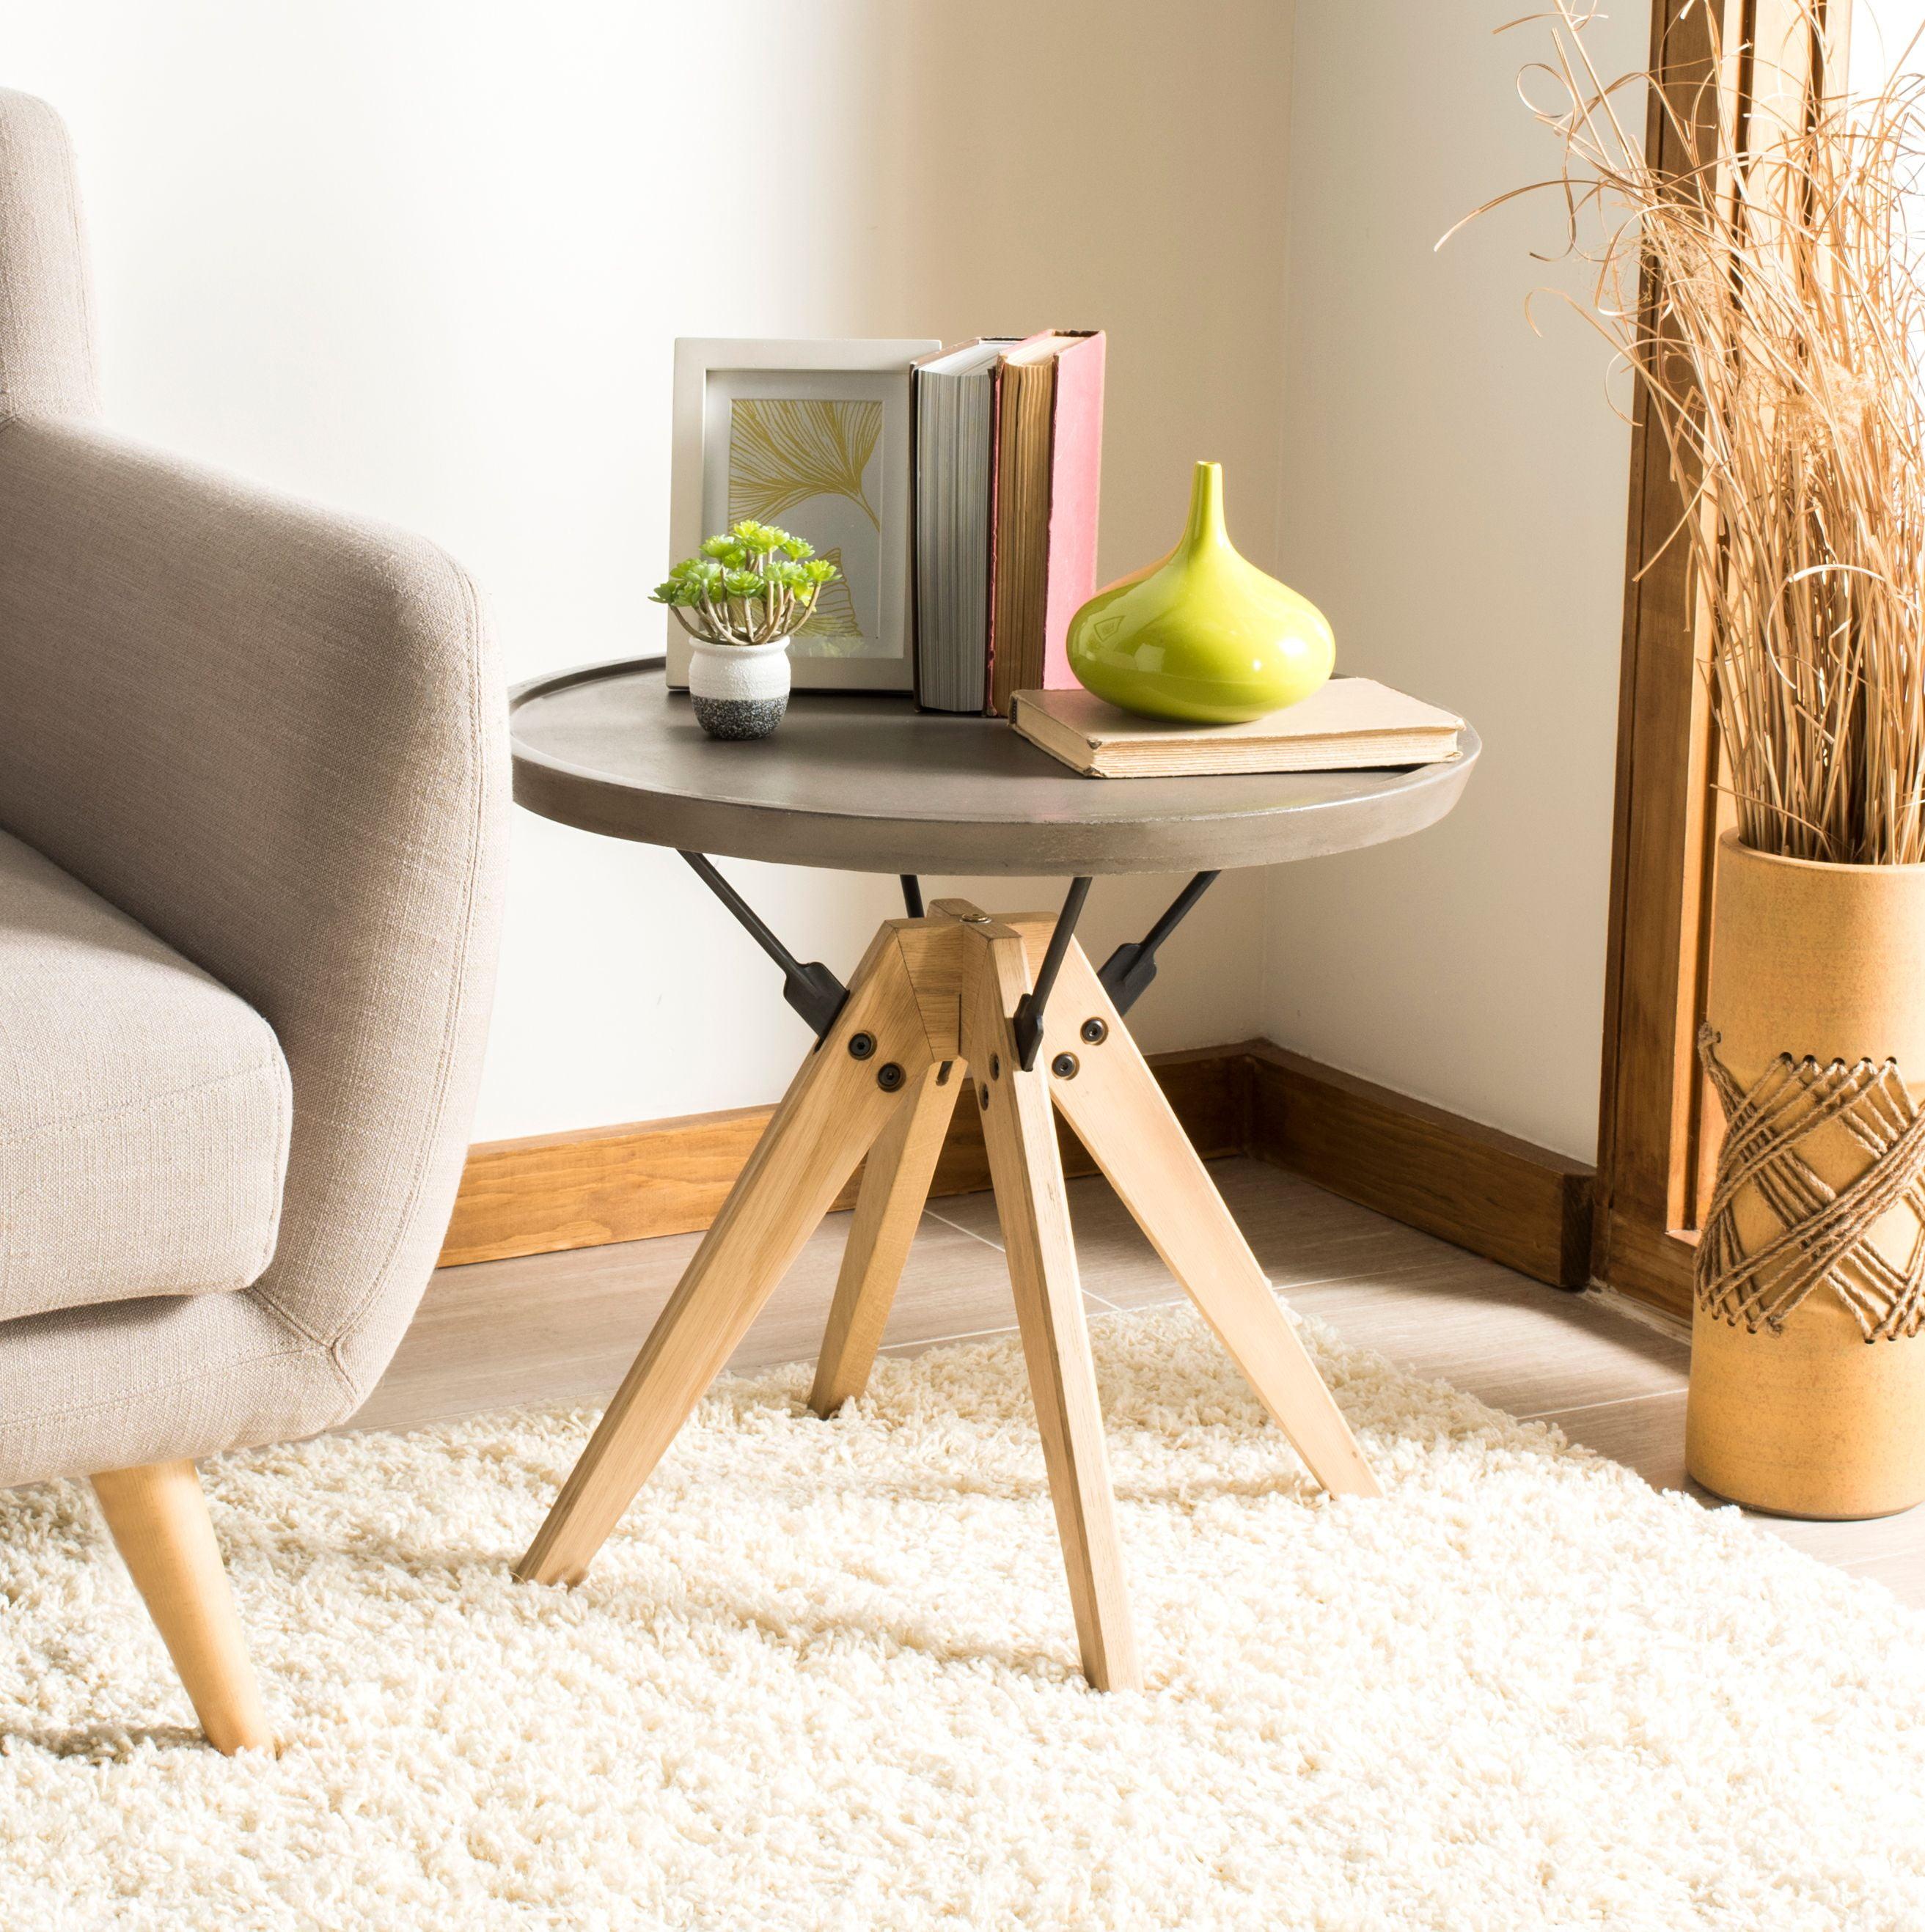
(932, 1004)
(1808, 1335)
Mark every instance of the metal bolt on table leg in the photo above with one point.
(861, 1045)
(1064, 1066)
(889, 1076)
(1095, 1032)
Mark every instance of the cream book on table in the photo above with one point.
(1351, 724)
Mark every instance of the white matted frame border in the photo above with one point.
(695, 357)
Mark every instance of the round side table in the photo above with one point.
(945, 996)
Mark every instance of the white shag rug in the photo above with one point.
(824, 1675)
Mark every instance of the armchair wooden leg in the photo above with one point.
(1120, 1114)
(888, 1208)
(159, 1521)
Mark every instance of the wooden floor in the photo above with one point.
(563, 1327)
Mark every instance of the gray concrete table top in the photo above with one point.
(868, 784)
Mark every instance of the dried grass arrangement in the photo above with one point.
(1770, 296)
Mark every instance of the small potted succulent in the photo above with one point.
(741, 598)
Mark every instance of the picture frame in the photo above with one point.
(813, 436)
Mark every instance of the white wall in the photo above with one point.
(1883, 32)
(1454, 496)
(426, 258)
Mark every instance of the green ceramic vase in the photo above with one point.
(1204, 636)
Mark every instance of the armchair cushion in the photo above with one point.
(144, 1109)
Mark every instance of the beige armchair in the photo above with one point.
(252, 792)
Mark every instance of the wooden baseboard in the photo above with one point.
(628, 1183)
(1497, 1195)
(550, 1191)
(1646, 1263)
(1488, 1192)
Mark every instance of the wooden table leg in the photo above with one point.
(1027, 1172)
(888, 1207)
(833, 1111)
(1120, 1114)
(962, 966)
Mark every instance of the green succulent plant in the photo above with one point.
(750, 584)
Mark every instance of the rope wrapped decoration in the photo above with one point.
(1823, 1237)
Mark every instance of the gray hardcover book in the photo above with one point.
(954, 454)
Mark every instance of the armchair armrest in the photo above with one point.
(274, 736)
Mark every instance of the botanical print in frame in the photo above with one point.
(805, 450)
(813, 436)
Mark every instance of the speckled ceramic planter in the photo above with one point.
(740, 691)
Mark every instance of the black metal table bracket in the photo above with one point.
(810, 988)
(1127, 972)
(817, 995)
(1026, 1022)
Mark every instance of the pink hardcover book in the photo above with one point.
(1076, 473)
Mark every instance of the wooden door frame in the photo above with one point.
(1652, 1151)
